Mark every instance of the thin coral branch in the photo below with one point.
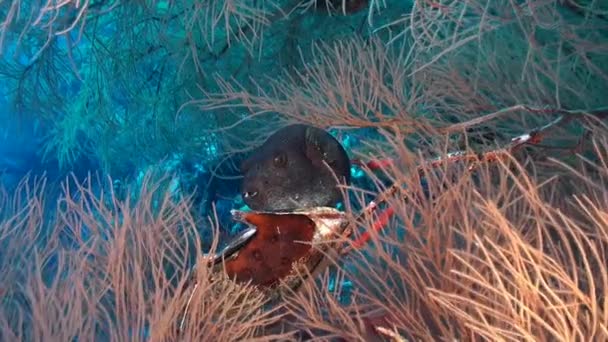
(532, 138)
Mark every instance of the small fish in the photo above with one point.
(297, 167)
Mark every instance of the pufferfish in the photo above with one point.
(290, 182)
(277, 252)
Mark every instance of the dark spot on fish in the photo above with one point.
(285, 261)
(257, 255)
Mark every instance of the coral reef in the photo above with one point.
(478, 208)
(511, 251)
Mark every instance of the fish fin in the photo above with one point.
(234, 245)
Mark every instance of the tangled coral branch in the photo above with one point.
(494, 254)
(473, 159)
(52, 18)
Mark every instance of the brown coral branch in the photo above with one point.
(532, 138)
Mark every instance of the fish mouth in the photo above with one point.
(250, 194)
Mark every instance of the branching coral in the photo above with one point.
(100, 268)
(132, 64)
(512, 251)
(444, 61)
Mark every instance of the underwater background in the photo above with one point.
(123, 125)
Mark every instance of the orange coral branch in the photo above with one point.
(378, 225)
(534, 137)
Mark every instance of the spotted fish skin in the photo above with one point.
(297, 167)
(283, 244)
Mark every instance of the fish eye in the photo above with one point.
(280, 160)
